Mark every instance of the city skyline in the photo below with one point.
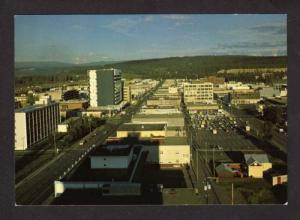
(93, 38)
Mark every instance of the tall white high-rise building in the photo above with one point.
(105, 87)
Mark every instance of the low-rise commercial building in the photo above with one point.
(158, 111)
(112, 157)
(73, 105)
(172, 120)
(142, 130)
(170, 151)
(241, 98)
(164, 102)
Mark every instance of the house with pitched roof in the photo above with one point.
(257, 164)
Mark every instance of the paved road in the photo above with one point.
(278, 139)
(38, 187)
(199, 166)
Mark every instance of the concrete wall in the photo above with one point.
(168, 154)
(111, 162)
(115, 188)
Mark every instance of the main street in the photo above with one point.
(37, 187)
(199, 165)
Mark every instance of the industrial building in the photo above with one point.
(34, 123)
(105, 87)
(198, 92)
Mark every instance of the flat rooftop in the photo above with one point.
(73, 101)
(112, 150)
(175, 115)
(150, 141)
(142, 127)
(174, 141)
(33, 107)
(84, 173)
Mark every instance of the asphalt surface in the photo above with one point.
(199, 165)
(278, 139)
(38, 187)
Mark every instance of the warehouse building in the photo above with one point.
(34, 124)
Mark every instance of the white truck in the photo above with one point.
(82, 142)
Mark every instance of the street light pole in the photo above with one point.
(206, 153)
(214, 167)
(54, 137)
(232, 196)
(197, 166)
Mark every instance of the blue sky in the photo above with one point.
(93, 38)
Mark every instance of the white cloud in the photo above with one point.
(176, 17)
(122, 25)
(148, 18)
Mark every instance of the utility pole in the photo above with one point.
(197, 166)
(214, 167)
(54, 141)
(206, 152)
(232, 196)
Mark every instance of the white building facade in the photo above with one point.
(35, 123)
(198, 92)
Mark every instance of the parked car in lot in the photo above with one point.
(82, 142)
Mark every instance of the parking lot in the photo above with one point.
(221, 132)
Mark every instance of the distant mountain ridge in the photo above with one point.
(170, 67)
(57, 64)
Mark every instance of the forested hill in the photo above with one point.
(196, 66)
(173, 67)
